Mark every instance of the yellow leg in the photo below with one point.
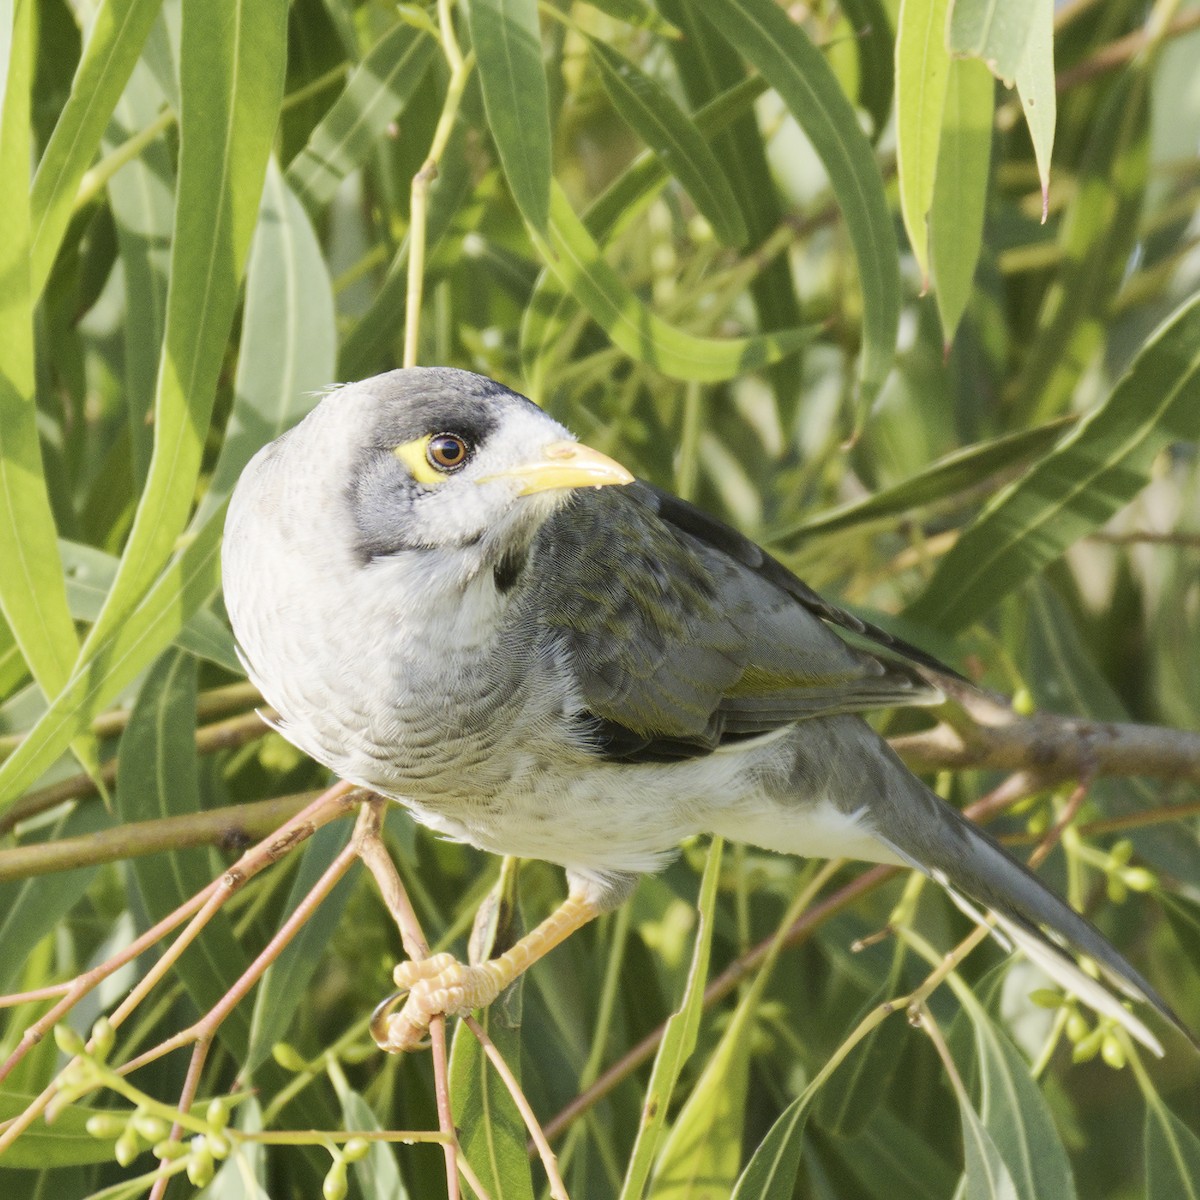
(442, 985)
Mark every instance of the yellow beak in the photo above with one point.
(565, 465)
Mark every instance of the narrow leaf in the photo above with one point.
(157, 777)
(492, 1132)
(118, 33)
(957, 472)
(679, 1038)
(1035, 86)
(288, 347)
(1172, 1155)
(960, 188)
(771, 1172)
(576, 260)
(675, 138)
(118, 658)
(232, 67)
(922, 73)
(1097, 469)
(797, 70)
(374, 95)
(508, 47)
(996, 31)
(32, 591)
(1015, 1113)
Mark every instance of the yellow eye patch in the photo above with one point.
(431, 458)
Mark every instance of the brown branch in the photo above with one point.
(1051, 748)
(1125, 49)
(232, 828)
(221, 735)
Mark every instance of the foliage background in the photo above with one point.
(207, 215)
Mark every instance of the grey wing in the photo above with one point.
(680, 643)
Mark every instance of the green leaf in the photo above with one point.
(90, 573)
(922, 75)
(959, 471)
(508, 48)
(960, 188)
(679, 1038)
(157, 777)
(675, 138)
(984, 1173)
(637, 13)
(996, 31)
(491, 1131)
(576, 260)
(1099, 232)
(374, 95)
(285, 983)
(1096, 469)
(550, 308)
(799, 73)
(771, 1172)
(703, 1151)
(141, 198)
(1036, 87)
(187, 584)
(377, 1174)
(873, 42)
(1172, 1155)
(63, 1144)
(33, 594)
(118, 32)
(232, 67)
(288, 349)
(1014, 1112)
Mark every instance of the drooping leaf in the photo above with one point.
(508, 45)
(1172, 1155)
(960, 188)
(374, 95)
(32, 591)
(771, 1172)
(1036, 88)
(288, 348)
(679, 1039)
(232, 76)
(576, 260)
(922, 77)
(1096, 469)
(118, 32)
(188, 583)
(675, 138)
(799, 73)
(996, 31)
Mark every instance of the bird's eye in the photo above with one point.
(446, 451)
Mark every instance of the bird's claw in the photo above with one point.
(430, 987)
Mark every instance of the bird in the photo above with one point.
(449, 600)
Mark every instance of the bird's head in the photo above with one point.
(447, 459)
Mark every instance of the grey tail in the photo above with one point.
(940, 841)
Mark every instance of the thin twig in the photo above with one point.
(369, 846)
(558, 1189)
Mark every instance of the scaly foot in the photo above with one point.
(436, 986)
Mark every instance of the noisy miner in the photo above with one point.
(448, 600)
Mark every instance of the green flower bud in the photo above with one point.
(356, 1149)
(68, 1041)
(127, 1147)
(1112, 1052)
(106, 1126)
(288, 1057)
(336, 1185)
(200, 1166)
(217, 1113)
